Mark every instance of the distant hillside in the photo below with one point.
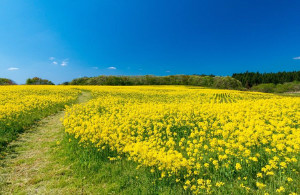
(195, 80)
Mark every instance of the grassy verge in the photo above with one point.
(30, 164)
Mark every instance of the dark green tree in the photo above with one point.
(38, 81)
(4, 81)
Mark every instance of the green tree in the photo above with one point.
(38, 81)
(5, 81)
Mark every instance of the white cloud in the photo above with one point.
(112, 68)
(64, 62)
(168, 71)
(296, 58)
(12, 69)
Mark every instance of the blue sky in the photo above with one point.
(64, 39)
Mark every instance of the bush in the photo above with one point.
(38, 81)
(226, 83)
(267, 88)
(279, 88)
(4, 81)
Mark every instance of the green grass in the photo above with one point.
(43, 161)
(98, 175)
(28, 164)
(93, 173)
(10, 129)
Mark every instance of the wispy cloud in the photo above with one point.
(64, 62)
(112, 68)
(12, 69)
(296, 58)
(168, 71)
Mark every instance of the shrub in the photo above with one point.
(267, 88)
(38, 81)
(279, 88)
(226, 83)
(4, 81)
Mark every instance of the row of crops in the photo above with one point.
(21, 106)
(205, 140)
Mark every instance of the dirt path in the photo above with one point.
(30, 167)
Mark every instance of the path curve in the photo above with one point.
(30, 168)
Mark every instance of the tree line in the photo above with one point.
(250, 79)
(29, 81)
(265, 82)
(195, 80)
(4, 81)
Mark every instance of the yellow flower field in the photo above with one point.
(206, 140)
(21, 106)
